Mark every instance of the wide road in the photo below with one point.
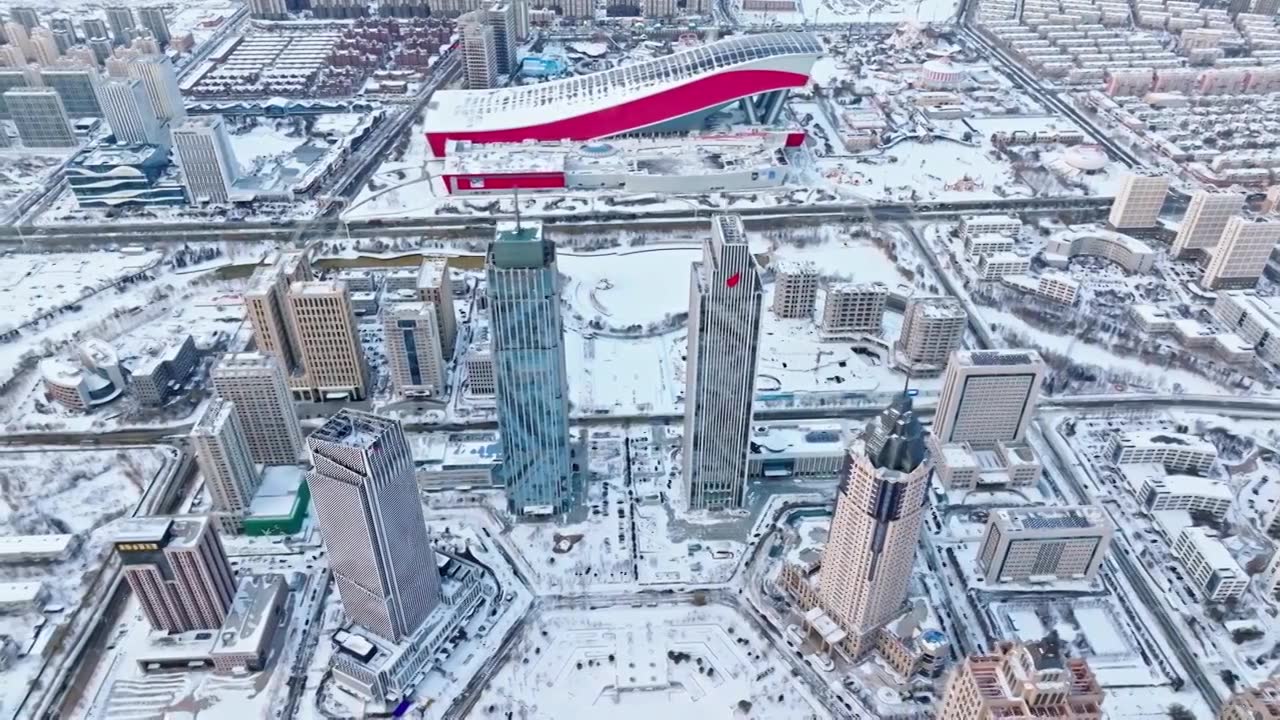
(281, 230)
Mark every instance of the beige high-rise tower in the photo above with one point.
(1021, 681)
(333, 364)
(988, 396)
(1206, 218)
(436, 287)
(795, 289)
(932, 327)
(267, 309)
(257, 387)
(230, 476)
(178, 570)
(1138, 202)
(1241, 255)
(870, 552)
(413, 349)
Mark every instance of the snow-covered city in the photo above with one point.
(697, 359)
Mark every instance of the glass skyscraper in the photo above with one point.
(529, 368)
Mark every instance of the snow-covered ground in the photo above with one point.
(682, 662)
(24, 171)
(63, 491)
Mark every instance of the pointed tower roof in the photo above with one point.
(895, 438)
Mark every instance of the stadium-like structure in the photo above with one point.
(667, 94)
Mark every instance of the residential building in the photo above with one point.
(1139, 199)
(158, 76)
(1005, 225)
(222, 452)
(40, 118)
(1261, 702)
(932, 327)
(479, 54)
(853, 309)
(988, 396)
(795, 289)
(152, 18)
(880, 504)
(1035, 544)
(204, 154)
(1022, 681)
(1209, 565)
(725, 305)
(25, 16)
(266, 305)
(324, 325)
(128, 110)
(1175, 451)
(995, 266)
(1254, 318)
(78, 88)
(978, 246)
(478, 364)
(1206, 218)
(413, 349)
(531, 381)
(95, 28)
(501, 16)
(1241, 255)
(178, 570)
(1157, 491)
(960, 466)
(435, 286)
(120, 19)
(257, 386)
(370, 517)
(10, 79)
(1269, 581)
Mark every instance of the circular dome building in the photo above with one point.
(941, 74)
(1085, 159)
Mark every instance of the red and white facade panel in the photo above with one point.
(627, 98)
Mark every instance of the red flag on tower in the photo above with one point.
(733, 280)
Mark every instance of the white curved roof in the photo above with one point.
(1089, 158)
(551, 101)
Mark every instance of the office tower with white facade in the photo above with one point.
(324, 325)
(129, 113)
(413, 349)
(204, 155)
(40, 118)
(370, 517)
(78, 88)
(988, 396)
(1021, 681)
(1138, 202)
(501, 16)
(479, 54)
(222, 452)
(161, 81)
(152, 18)
(531, 382)
(267, 307)
(795, 289)
(256, 385)
(1206, 218)
(1241, 255)
(435, 286)
(853, 309)
(178, 570)
(120, 19)
(11, 58)
(871, 546)
(1042, 544)
(20, 38)
(725, 305)
(45, 46)
(932, 327)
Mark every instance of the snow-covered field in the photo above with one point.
(679, 662)
(23, 171)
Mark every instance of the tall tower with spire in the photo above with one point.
(871, 548)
